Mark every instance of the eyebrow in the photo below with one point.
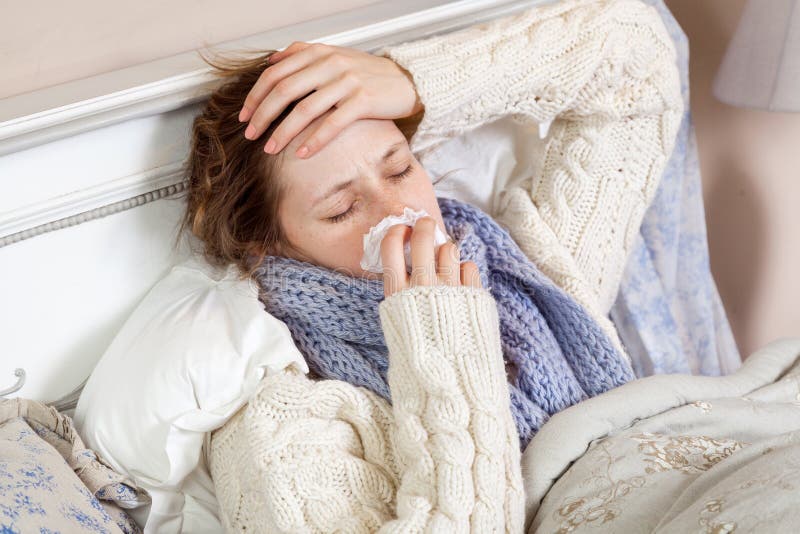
(344, 185)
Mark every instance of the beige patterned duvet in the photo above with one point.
(675, 454)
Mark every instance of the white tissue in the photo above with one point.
(371, 261)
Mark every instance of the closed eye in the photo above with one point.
(402, 174)
(394, 177)
(342, 216)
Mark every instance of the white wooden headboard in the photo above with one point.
(91, 176)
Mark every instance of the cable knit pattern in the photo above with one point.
(605, 73)
(313, 456)
(321, 456)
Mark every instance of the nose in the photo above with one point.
(382, 210)
(391, 205)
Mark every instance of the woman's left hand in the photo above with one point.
(429, 266)
(358, 84)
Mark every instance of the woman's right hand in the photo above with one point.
(428, 266)
(357, 84)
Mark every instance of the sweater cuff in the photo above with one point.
(451, 322)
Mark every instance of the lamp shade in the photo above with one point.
(761, 67)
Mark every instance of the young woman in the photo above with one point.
(409, 419)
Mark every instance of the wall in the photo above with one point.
(45, 43)
(750, 162)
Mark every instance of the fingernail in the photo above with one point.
(271, 144)
(302, 151)
(250, 132)
(243, 114)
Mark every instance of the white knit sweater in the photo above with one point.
(318, 456)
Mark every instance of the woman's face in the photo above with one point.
(333, 198)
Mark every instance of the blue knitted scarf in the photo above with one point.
(560, 355)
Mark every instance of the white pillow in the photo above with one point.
(487, 160)
(186, 360)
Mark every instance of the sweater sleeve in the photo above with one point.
(321, 456)
(604, 73)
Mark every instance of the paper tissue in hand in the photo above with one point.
(371, 261)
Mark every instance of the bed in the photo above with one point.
(89, 223)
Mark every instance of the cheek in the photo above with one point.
(339, 248)
(334, 246)
(348, 249)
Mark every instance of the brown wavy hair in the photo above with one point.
(233, 191)
(233, 186)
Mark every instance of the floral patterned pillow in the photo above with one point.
(49, 482)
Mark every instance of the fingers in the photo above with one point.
(423, 265)
(321, 77)
(470, 275)
(261, 87)
(268, 82)
(428, 267)
(395, 277)
(289, 50)
(348, 112)
(448, 269)
(306, 111)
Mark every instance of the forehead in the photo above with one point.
(361, 143)
(353, 135)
